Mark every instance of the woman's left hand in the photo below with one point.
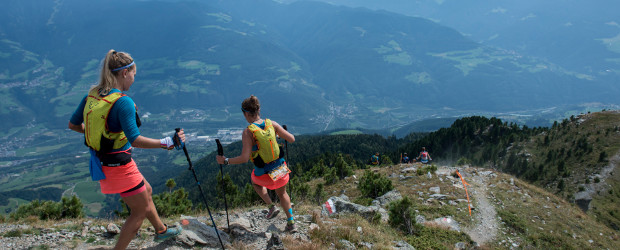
(181, 135)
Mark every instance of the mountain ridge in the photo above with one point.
(375, 67)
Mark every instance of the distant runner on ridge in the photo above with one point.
(374, 160)
(405, 158)
(424, 157)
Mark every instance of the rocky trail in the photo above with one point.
(487, 226)
(249, 229)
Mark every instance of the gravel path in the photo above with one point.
(486, 228)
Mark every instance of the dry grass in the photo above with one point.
(548, 220)
(331, 230)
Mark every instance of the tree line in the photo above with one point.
(540, 154)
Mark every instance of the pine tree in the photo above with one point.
(170, 184)
(402, 215)
(249, 196)
(602, 157)
(72, 207)
(343, 169)
(226, 187)
(319, 194)
(174, 203)
(373, 185)
(330, 176)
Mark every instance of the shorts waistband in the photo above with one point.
(115, 159)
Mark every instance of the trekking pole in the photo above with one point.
(286, 143)
(220, 151)
(181, 144)
(287, 159)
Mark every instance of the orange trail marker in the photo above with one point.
(465, 186)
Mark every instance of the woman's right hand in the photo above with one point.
(283, 133)
(220, 159)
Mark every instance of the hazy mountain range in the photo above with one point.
(314, 65)
(577, 35)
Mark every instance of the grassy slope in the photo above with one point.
(584, 168)
(529, 216)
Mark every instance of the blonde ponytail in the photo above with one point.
(113, 60)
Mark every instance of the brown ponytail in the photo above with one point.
(112, 60)
(251, 105)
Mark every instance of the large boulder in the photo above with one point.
(338, 205)
(196, 232)
(385, 199)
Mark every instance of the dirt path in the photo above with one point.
(487, 227)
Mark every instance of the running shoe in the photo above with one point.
(273, 212)
(170, 232)
(290, 227)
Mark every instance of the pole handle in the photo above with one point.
(178, 144)
(182, 145)
(220, 149)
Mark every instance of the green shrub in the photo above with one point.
(41, 247)
(463, 161)
(330, 176)
(420, 171)
(373, 185)
(227, 191)
(602, 157)
(561, 185)
(342, 168)
(319, 194)
(432, 168)
(438, 238)
(50, 210)
(428, 168)
(167, 204)
(376, 218)
(402, 215)
(385, 160)
(32, 231)
(299, 191)
(174, 203)
(170, 183)
(42, 209)
(13, 233)
(72, 207)
(365, 201)
(249, 196)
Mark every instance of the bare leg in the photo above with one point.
(285, 200)
(151, 214)
(262, 192)
(139, 208)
